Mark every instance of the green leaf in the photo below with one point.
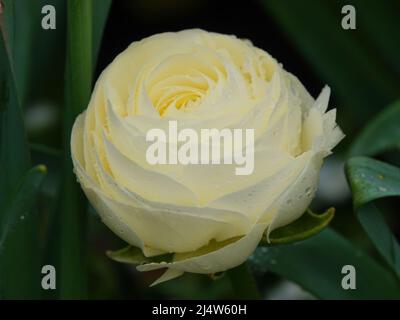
(19, 274)
(129, 254)
(381, 134)
(37, 54)
(371, 180)
(134, 255)
(20, 202)
(17, 28)
(306, 226)
(374, 224)
(243, 283)
(14, 157)
(316, 264)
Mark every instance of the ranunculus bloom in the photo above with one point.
(210, 218)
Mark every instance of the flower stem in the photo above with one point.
(72, 241)
(243, 283)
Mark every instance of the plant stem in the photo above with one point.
(73, 218)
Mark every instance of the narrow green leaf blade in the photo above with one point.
(306, 226)
(381, 134)
(14, 156)
(371, 180)
(37, 54)
(134, 255)
(243, 283)
(19, 274)
(20, 202)
(374, 224)
(316, 264)
(129, 254)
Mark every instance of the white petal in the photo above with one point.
(222, 259)
(149, 184)
(297, 197)
(168, 275)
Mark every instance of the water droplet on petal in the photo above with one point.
(264, 250)
(382, 189)
(309, 192)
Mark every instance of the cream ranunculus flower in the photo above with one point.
(210, 218)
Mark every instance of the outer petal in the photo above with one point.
(110, 218)
(258, 198)
(227, 257)
(295, 200)
(168, 275)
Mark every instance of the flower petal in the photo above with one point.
(222, 259)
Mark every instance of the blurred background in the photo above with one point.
(361, 66)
